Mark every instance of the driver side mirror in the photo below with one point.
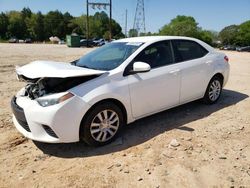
(140, 67)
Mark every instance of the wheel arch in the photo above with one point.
(111, 100)
(219, 75)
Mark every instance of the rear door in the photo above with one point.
(193, 62)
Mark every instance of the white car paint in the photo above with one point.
(141, 94)
(41, 69)
(159, 90)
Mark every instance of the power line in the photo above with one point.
(100, 6)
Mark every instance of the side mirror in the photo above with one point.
(140, 67)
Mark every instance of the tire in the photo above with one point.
(213, 91)
(102, 124)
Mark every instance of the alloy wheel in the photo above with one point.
(214, 90)
(104, 125)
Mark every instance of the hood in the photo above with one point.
(50, 69)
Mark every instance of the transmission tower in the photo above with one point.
(139, 21)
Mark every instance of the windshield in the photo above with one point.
(109, 56)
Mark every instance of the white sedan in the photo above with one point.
(92, 98)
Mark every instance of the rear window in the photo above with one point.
(185, 50)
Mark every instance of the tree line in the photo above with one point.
(238, 35)
(184, 26)
(39, 27)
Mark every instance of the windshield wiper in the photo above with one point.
(74, 62)
(85, 66)
(82, 66)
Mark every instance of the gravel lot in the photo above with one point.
(213, 147)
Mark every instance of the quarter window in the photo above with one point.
(185, 50)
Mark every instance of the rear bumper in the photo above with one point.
(54, 124)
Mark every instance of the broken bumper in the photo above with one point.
(59, 123)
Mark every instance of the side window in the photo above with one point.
(156, 55)
(185, 50)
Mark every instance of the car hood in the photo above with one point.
(51, 69)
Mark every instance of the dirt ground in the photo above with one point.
(214, 148)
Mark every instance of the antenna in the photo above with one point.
(139, 21)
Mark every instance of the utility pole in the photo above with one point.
(87, 23)
(139, 20)
(110, 20)
(99, 6)
(126, 22)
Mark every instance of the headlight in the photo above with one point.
(44, 102)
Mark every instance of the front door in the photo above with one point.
(159, 88)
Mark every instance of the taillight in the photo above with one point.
(226, 58)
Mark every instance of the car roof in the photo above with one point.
(152, 39)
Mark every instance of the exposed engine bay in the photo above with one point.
(43, 86)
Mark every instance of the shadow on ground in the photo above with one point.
(147, 128)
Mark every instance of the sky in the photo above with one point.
(210, 14)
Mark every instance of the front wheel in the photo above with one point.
(102, 124)
(213, 91)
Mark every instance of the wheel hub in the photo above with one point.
(215, 90)
(105, 124)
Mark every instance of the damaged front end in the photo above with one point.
(37, 88)
(48, 77)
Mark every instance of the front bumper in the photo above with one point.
(59, 123)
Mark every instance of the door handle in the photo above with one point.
(175, 72)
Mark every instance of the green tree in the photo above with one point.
(68, 27)
(207, 36)
(25, 24)
(117, 30)
(17, 26)
(229, 34)
(26, 13)
(4, 22)
(243, 34)
(39, 28)
(187, 26)
(79, 25)
(133, 33)
(54, 24)
(182, 26)
(98, 26)
(36, 27)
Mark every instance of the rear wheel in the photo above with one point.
(213, 91)
(102, 124)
